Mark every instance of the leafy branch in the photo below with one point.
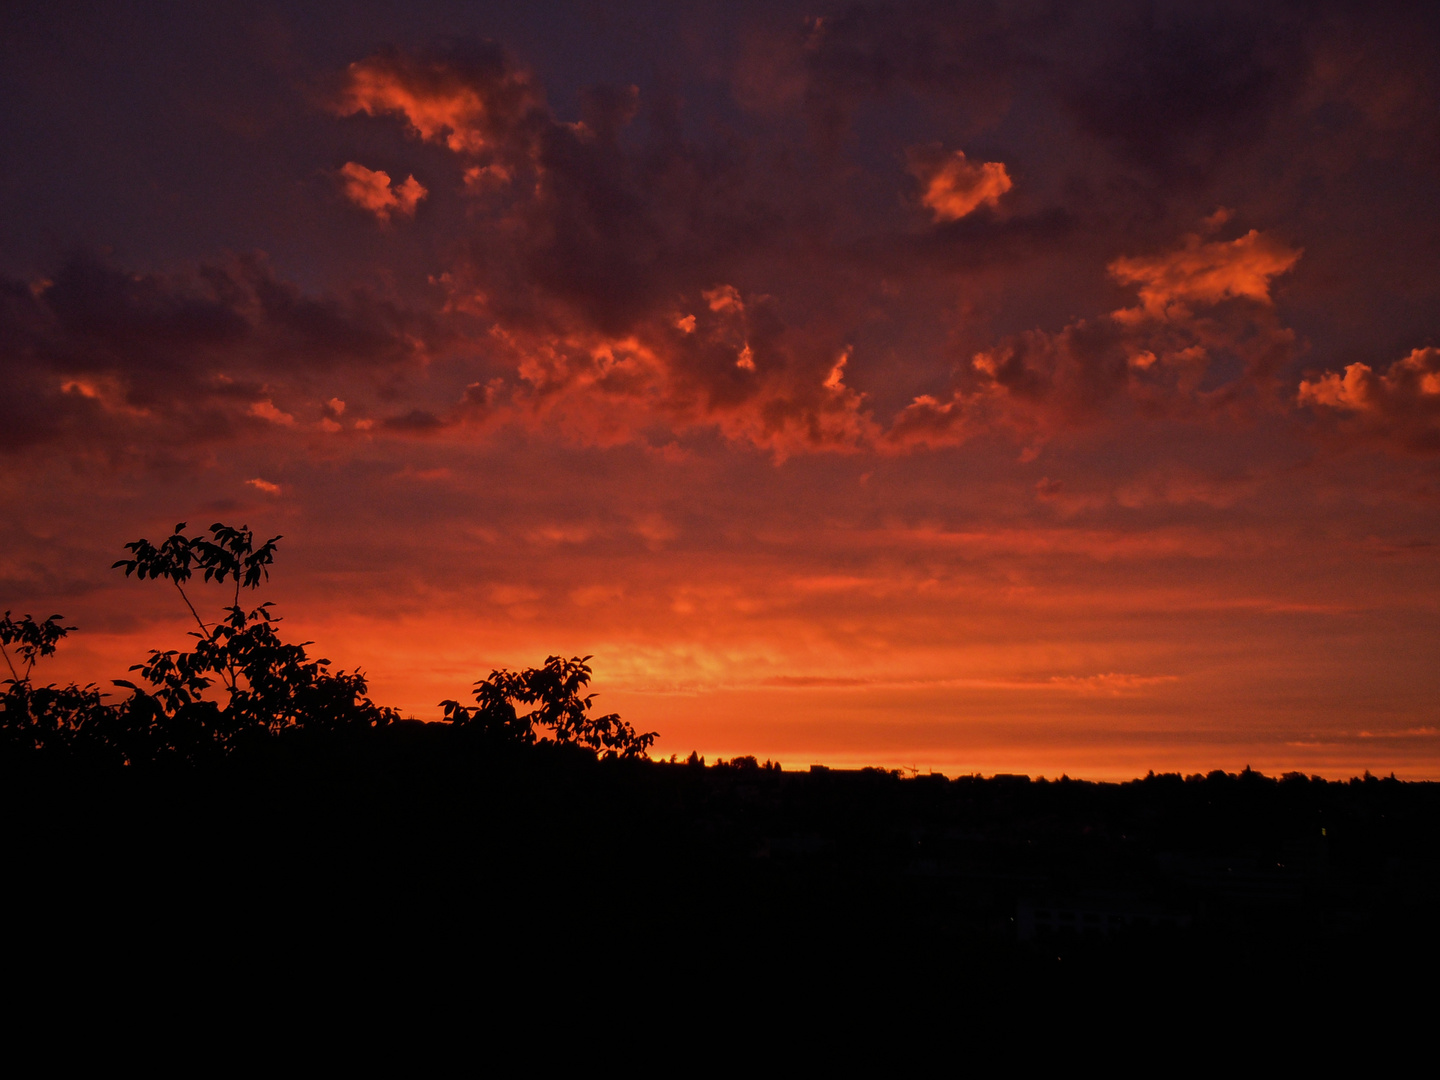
(555, 690)
(229, 553)
(32, 640)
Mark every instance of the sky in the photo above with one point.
(968, 387)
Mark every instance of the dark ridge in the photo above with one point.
(418, 842)
(247, 812)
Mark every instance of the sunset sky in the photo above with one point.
(968, 387)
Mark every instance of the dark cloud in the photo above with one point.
(586, 221)
(414, 422)
(610, 231)
(33, 408)
(967, 51)
(358, 328)
(93, 317)
(969, 245)
(95, 350)
(592, 243)
(1179, 91)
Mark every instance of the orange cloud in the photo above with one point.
(589, 283)
(267, 410)
(1401, 404)
(1155, 355)
(1204, 273)
(372, 190)
(931, 421)
(729, 363)
(485, 179)
(955, 187)
(731, 366)
(469, 102)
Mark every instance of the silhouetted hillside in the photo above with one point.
(550, 852)
(250, 808)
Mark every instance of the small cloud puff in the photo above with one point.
(266, 409)
(373, 191)
(467, 98)
(1203, 273)
(955, 187)
(1401, 405)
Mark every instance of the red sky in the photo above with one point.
(967, 387)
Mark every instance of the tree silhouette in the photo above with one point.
(267, 685)
(31, 639)
(555, 690)
(241, 683)
(37, 718)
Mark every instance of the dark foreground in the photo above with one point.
(426, 862)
